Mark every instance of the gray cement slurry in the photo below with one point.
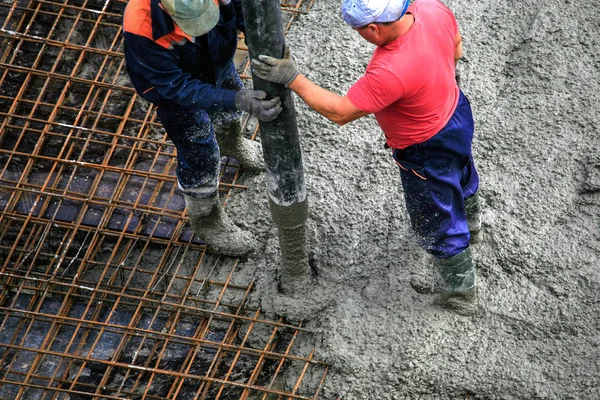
(531, 72)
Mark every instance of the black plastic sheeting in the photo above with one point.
(137, 213)
(19, 329)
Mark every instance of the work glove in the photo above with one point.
(252, 101)
(279, 70)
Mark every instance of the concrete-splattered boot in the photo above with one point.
(473, 212)
(458, 289)
(233, 143)
(211, 224)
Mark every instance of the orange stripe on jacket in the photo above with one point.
(138, 20)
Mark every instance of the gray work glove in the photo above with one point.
(279, 70)
(252, 101)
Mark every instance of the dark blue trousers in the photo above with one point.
(191, 131)
(437, 176)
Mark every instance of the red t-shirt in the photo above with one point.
(409, 83)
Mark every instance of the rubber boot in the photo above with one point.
(232, 143)
(211, 224)
(458, 289)
(473, 212)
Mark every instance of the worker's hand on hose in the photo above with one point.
(280, 70)
(253, 102)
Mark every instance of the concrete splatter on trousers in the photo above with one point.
(192, 133)
(437, 176)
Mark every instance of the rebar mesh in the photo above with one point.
(104, 290)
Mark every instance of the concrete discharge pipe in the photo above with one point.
(281, 146)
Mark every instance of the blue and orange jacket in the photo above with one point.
(168, 67)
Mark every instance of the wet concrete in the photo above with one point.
(531, 72)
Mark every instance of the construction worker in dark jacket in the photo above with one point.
(179, 56)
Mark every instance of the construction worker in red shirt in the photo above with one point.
(179, 56)
(410, 86)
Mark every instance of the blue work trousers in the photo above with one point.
(191, 131)
(437, 176)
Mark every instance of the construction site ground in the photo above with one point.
(105, 292)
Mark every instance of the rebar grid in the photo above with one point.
(104, 290)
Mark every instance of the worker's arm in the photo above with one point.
(331, 105)
(157, 76)
(285, 71)
(458, 50)
(239, 15)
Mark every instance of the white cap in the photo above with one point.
(358, 13)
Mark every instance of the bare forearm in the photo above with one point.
(331, 105)
(458, 53)
(458, 50)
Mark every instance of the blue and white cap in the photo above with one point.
(359, 13)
